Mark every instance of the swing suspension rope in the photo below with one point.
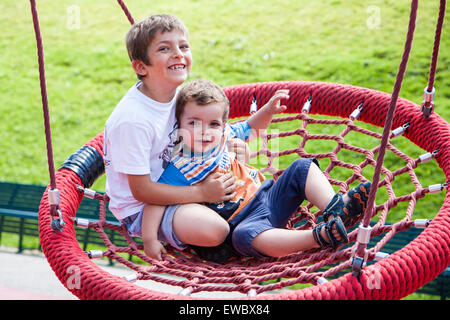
(364, 230)
(251, 275)
(54, 198)
(429, 91)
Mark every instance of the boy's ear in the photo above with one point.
(139, 67)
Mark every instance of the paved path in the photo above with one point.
(28, 276)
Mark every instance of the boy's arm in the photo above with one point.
(215, 188)
(260, 120)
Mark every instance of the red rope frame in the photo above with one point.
(400, 274)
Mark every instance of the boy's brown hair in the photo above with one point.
(202, 92)
(141, 34)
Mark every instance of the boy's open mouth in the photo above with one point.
(177, 67)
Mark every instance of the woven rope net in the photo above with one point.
(396, 276)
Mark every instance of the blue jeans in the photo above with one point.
(272, 207)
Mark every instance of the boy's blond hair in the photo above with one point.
(202, 92)
(141, 34)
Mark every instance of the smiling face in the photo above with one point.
(201, 126)
(170, 60)
(159, 51)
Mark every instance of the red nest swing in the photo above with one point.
(396, 275)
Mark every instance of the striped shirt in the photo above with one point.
(186, 169)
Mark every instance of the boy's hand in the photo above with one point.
(274, 106)
(241, 149)
(218, 187)
(154, 249)
(260, 120)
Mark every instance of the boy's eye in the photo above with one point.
(163, 49)
(195, 123)
(184, 47)
(215, 124)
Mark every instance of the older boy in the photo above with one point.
(139, 134)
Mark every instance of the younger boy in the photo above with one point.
(139, 134)
(259, 212)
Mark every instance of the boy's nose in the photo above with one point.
(202, 130)
(177, 53)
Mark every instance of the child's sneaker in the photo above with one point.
(352, 210)
(330, 241)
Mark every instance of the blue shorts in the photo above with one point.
(272, 207)
(165, 231)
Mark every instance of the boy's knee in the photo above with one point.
(301, 167)
(221, 232)
(216, 233)
(241, 234)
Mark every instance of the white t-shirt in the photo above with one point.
(139, 137)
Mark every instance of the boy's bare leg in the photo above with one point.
(318, 189)
(282, 242)
(198, 225)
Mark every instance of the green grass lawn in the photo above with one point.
(233, 42)
(357, 42)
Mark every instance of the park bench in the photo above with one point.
(19, 206)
